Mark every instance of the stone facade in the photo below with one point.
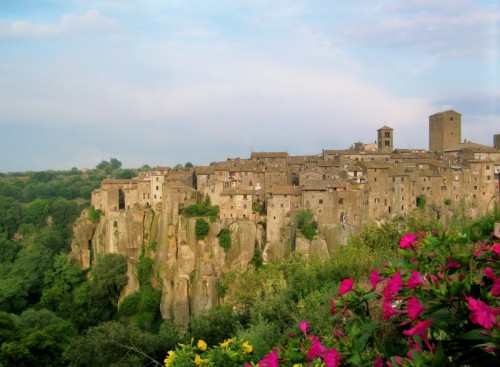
(445, 130)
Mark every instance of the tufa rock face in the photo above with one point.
(186, 269)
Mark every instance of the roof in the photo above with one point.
(385, 127)
(238, 191)
(375, 164)
(322, 185)
(204, 170)
(269, 155)
(443, 112)
(473, 147)
(285, 190)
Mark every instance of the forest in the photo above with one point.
(52, 313)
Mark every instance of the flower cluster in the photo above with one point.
(230, 353)
(440, 305)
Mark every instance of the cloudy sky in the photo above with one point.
(161, 82)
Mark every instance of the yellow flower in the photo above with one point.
(297, 365)
(169, 359)
(247, 347)
(226, 343)
(198, 361)
(201, 345)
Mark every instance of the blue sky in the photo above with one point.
(166, 82)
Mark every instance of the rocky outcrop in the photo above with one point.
(187, 268)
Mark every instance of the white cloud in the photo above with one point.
(89, 22)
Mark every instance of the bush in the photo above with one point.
(201, 228)
(225, 239)
(306, 223)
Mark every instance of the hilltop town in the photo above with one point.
(352, 186)
(257, 200)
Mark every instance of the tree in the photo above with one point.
(113, 344)
(11, 214)
(115, 163)
(37, 212)
(188, 165)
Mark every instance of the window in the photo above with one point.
(244, 206)
(341, 201)
(245, 197)
(321, 201)
(157, 188)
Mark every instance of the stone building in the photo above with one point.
(445, 130)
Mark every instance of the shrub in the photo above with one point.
(201, 228)
(225, 239)
(306, 223)
(94, 214)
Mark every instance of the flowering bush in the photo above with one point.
(230, 353)
(438, 306)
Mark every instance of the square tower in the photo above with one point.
(385, 139)
(445, 131)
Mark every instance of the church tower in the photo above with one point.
(385, 139)
(445, 131)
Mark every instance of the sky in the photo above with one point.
(163, 82)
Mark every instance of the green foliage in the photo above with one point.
(306, 223)
(11, 215)
(188, 165)
(96, 301)
(94, 214)
(201, 228)
(144, 270)
(142, 309)
(115, 344)
(374, 235)
(447, 201)
(39, 339)
(213, 325)
(263, 336)
(203, 209)
(225, 239)
(37, 212)
(421, 201)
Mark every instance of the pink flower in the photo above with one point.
(304, 326)
(271, 360)
(489, 273)
(375, 278)
(379, 362)
(419, 329)
(481, 313)
(394, 284)
(495, 290)
(316, 350)
(407, 241)
(496, 248)
(451, 264)
(389, 310)
(333, 306)
(415, 280)
(331, 358)
(399, 360)
(346, 286)
(415, 308)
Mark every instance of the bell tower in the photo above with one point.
(385, 139)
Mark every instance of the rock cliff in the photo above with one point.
(186, 268)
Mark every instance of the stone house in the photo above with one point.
(236, 204)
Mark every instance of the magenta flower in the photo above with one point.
(316, 350)
(331, 358)
(407, 241)
(495, 290)
(375, 279)
(419, 329)
(489, 273)
(379, 362)
(394, 284)
(346, 286)
(271, 360)
(451, 264)
(389, 310)
(415, 308)
(481, 313)
(496, 248)
(415, 280)
(304, 326)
